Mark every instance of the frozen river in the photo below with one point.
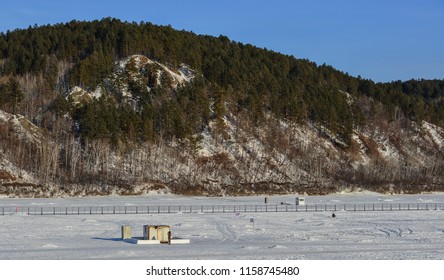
(292, 235)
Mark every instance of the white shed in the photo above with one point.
(126, 232)
(157, 232)
(300, 200)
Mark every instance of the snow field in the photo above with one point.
(301, 235)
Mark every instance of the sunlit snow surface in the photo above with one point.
(301, 235)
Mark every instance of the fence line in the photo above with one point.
(171, 209)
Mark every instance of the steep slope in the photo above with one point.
(21, 127)
(16, 134)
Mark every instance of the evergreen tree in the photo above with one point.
(11, 95)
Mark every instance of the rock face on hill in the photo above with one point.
(135, 71)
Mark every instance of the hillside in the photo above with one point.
(109, 107)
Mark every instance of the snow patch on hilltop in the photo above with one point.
(180, 76)
(134, 69)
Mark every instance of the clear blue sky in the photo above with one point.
(383, 40)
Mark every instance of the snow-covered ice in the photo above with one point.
(292, 235)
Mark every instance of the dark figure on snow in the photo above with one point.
(333, 215)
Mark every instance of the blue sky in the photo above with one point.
(383, 40)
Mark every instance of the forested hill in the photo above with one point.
(233, 86)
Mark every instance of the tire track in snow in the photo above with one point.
(399, 232)
(228, 234)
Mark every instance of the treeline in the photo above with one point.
(240, 76)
